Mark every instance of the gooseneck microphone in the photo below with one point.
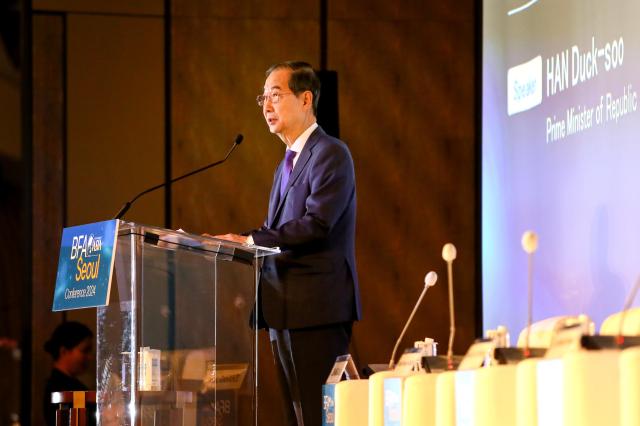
(429, 281)
(627, 306)
(529, 245)
(449, 254)
(129, 203)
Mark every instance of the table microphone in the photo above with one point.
(529, 245)
(429, 281)
(627, 306)
(129, 203)
(449, 254)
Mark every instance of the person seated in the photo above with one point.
(70, 346)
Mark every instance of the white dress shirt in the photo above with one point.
(297, 147)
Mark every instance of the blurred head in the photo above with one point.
(290, 98)
(70, 347)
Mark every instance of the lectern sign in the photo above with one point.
(85, 266)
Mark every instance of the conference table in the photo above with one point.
(582, 387)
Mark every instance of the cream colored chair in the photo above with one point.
(630, 387)
(526, 392)
(591, 388)
(352, 402)
(495, 396)
(419, 400)
(631, 325)
(542, 332)
(446, 399)
(376, 397)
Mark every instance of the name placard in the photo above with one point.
(566, 340)
(393, 401)
(344, 365)
(329, 404)
(480, 353)
(85, 266)
(411, 360)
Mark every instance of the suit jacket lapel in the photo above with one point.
(303, 159)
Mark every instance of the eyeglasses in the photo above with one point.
(274, 96)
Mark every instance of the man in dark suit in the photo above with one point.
(308, 294)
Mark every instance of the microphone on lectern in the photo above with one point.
(129, 203)
(529, 245)
(449, 254)
(429, 281)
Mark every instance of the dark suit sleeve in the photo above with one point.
(331, 187)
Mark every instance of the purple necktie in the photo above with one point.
(286, 170)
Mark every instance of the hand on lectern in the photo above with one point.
(230, 237)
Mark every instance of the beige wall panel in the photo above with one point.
(406, 111)
(137, 7)
(247, 9)
(406, 79)
(115, 143)
(48, 191)
(367, 10)
(218, 70)
(115, 120)
(10, 145)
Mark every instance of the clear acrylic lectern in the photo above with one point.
(177, 343)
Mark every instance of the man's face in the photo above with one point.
(288, 114)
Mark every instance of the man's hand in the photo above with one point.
(230, 237)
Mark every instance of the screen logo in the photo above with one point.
(524, 86)
(521, 8)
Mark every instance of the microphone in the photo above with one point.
(627, 306)
(129, 203)
(529, 245)
(449, 254)
(429, 281)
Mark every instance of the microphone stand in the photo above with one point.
(125, 208)
(429, 280)
(627, 306)
(452, 316)
(404, 330)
